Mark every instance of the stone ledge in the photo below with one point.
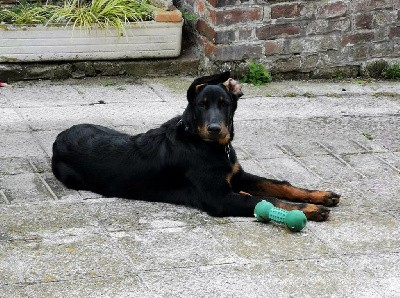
(186, 64)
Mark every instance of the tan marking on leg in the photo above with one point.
(296, 194)
(235, 169)
(245, 194)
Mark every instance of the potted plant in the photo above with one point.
(89, 30)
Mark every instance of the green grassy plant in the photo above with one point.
(26, 13)
(257, 74)
(101, 13)
(392, 72)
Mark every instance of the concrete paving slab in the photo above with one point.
(19, 144)
(13, 290)
(44, 94)
(110, 286)
(142, 113)
(56, 242)
(3, 100)
(127, 215)
(259, 108)
(62, 256)
(349, 233)
(117, 92)
(46, 139)
(36, 221)
(253, 241)
(58, 191)
(380, 270)
(22, 188)
(382, 130)
(329, 277)
(174, 247)
(13, 166)
(11, 121)
(54, 118)
(209, 281)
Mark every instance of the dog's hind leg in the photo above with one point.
(67, 175)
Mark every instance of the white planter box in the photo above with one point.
(56, 43)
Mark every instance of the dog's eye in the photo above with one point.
(225, 104)
(202, 104)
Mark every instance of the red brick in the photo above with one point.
(332, 10)
(235, 52)
(362, 5)
(235, 15)
(215, 36)
(357, 38)
(394, 32)
(288, 64)
(204, 29)
(173, 16)
(384, 49)
(199, 7)
(221, 3)
(245, 34)
(358, 52)
(385, 17)
(275, 31)
(364, 21)
(271, 47)
(339, 24)
(208, 46)
(287, 10)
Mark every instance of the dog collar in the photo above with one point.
(180, 122)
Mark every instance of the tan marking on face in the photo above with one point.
(235, 170)
(226, 139)
(203, 133)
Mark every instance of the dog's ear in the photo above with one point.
(195, 87)
(233, 87)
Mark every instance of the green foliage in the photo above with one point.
(257, 74)
(392, 72)
(26, 13)
(188, 16)
(102, 13)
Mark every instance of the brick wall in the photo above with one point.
(307, 38)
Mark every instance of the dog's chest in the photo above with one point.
(234, 170)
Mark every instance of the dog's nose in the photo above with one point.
(214, 127)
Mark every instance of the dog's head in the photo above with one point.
(212, 102)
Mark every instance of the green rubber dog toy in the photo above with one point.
(295, 220)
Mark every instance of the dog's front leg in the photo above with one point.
(262, 187)
(232, 204)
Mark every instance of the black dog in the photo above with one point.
(188, 160)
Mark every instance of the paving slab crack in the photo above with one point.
(340, 159)
(291, 154)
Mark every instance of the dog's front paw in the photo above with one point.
(326, 198)
(315, 212)
(331, 199)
